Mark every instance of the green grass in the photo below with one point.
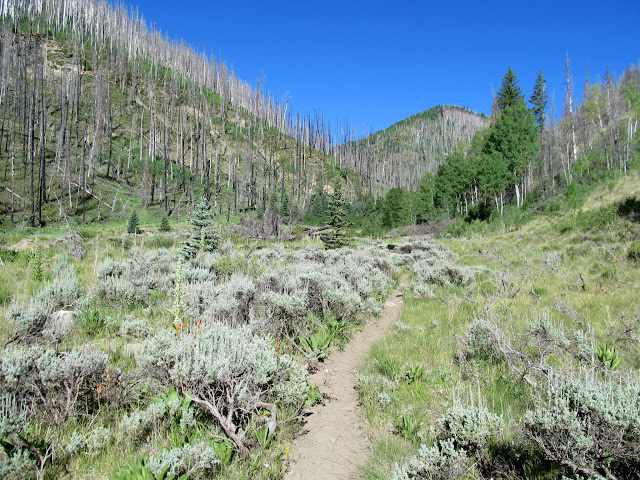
(581, 279)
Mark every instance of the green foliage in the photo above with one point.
(132, 223)
(510, 93)
(415, 373)
(165, 226)
(205, 236)
(539, 99)
(336, 236)
(139, 470)
(426, 208)
(37, 262)
(396, 209)
(607, 357)
(316, 344)
(409, 425)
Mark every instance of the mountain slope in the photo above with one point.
(98, 114)
(400, 155)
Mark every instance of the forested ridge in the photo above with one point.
(399, 156)
(101, 113)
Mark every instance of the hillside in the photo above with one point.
(400, 155)
(527, 365)
(100, 114)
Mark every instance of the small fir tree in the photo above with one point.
(204, 234)
(164, 225)
(336, 236)
(132, 224)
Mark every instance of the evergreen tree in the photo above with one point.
(164, 225)
(396, 211)
(132, 224)
(425, 209)
(204, 234)
(539, 99)
(510, 93)
(512, 143)
(336, 237)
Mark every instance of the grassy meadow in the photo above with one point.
(555, 299)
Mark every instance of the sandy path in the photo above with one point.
(334, 444)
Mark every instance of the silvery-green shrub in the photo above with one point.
(442, 461)
(110, 268)
(137, 424)
(470, 427)
(588, 424)
(225, 369)
(194, 460)
(134, 328)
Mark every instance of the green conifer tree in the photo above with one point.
(204, 234)
(336, 236)
(509, 93)
(133, 222)
(539, 99)
(512, 144)
(164, 225)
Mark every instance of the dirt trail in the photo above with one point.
(335, 445)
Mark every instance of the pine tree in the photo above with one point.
(164, 225)
(539, 99)
(204, 235)
(510, 93)
(336, 237)
(132, 224)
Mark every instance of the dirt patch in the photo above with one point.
(333, 443)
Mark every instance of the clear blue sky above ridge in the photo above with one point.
(374, 63)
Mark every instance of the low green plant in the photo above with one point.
(409, 425)
(262, 435)
(37, 260)
(608, 357)
(317, 343)
(93, 319)
(138, 470)
(387, 366)
(172, 397)
(414, 373)
(224, 451)
(314, 397)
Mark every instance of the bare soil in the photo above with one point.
(333, 443)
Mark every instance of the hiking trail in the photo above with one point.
(333, 443)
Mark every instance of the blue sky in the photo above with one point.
(374, 63)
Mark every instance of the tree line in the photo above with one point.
(522, 159)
